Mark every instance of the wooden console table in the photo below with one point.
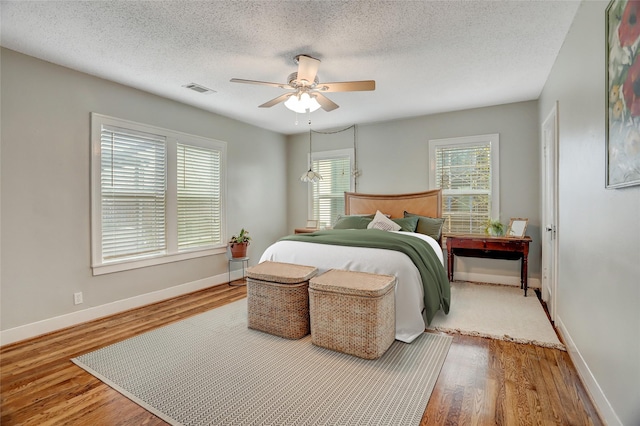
(305, 230)
(489, 247)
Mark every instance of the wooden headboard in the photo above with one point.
(427, 203)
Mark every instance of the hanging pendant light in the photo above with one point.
(310, 176)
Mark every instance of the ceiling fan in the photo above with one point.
(306, 91)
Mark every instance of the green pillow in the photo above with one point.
(352, 222)
(431, 226)
(407, 224)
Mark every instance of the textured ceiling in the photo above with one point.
(426, 57)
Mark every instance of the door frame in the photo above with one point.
(549, 213)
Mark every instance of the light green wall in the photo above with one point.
(393, 158)
(598, 298)
(46, 196)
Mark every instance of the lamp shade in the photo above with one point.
(310, 176)
(302, 102)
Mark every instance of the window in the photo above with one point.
(326, 197)
(466, 169)
(199, 209)
(132, 183)
(157, 195)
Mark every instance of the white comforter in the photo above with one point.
(409, 293)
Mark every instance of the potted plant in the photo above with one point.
(494, 228)
(238, 244)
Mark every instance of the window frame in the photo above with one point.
(171, 254)
(494, 141)
(325, 155)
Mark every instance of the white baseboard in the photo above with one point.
(495, 279)
(598, 397)
(38, 328)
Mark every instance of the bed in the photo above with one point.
(411, 288)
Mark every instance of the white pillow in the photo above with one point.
(380, 221)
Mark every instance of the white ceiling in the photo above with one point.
(425, 56)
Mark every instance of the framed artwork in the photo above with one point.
(517, 227)
(623, 93)
(312, 224)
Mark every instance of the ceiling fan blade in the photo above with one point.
(275, 101)
(262, 83)
(347, 86)
(307, 68)
(326, 103)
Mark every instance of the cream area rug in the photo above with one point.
(498, 312)
(211, 369)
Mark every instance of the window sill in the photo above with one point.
(108, 268)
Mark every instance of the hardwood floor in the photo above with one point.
(483, 381)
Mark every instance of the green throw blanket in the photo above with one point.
(437, 292)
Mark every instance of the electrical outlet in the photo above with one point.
(77, 298)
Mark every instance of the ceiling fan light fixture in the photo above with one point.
(308, 93)
(302, 103)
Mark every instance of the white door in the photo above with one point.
(550, 209)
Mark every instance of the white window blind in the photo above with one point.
(466, 171)
(157, 195)
(133, 185)
(199, 208)
(328, 194)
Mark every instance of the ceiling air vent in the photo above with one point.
(198, 88)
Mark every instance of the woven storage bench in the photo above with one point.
(278, 298)
(353, 312)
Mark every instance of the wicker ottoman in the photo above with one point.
(278, 298)
(353, 312)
